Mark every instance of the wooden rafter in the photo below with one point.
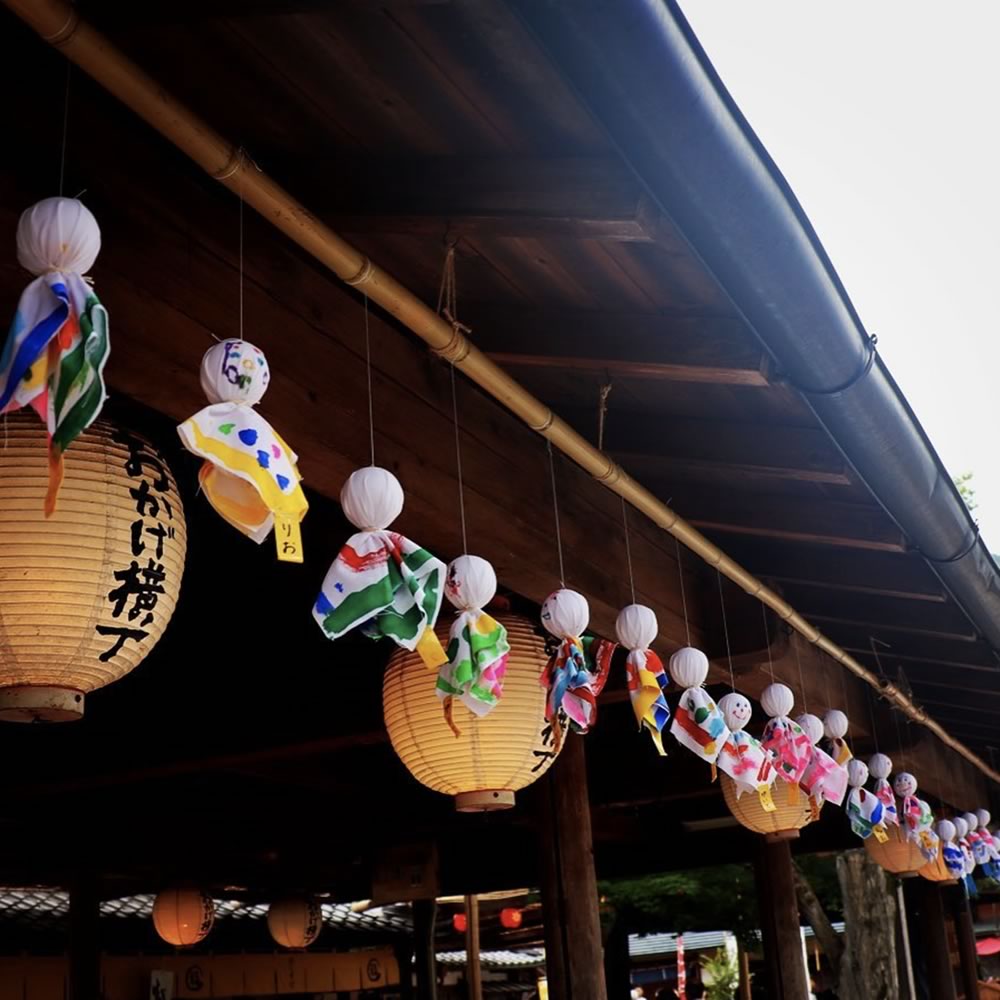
(670, 348)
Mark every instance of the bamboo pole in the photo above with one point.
(60, 25)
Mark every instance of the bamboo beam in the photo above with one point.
(59, 24)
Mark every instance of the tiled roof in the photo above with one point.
(46, 907)
(529, 958)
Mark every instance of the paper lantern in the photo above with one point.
(295, 922)
(493, 756)
(86, 593)
(897, 854)
(511, 917)
(936, 870)
(183, 917)
(460, 922)
(783, 823)
(689, 667)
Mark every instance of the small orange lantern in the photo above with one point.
(511, 917)
(183, 917)
(295, 922)
(460, 923)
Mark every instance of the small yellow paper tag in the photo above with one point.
(766, 802)
(881, 834)
(792, 793)
(430, 649)
(288, 538)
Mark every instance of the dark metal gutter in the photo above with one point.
(641, 71)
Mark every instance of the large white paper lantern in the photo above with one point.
(86, 593)
(295, 922)
(183, 917)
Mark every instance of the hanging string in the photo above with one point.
(725, 629)
(447, 306)
(368, 369)
(873, 642)
(555, 507)
(843, 690)
(871, 716)
(628, 550)
(65, 129)
(767, 642)
(684, 603)
(802, 683)
(602, 412)
(239, 193)
(458, 462)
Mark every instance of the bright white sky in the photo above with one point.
(884, 117)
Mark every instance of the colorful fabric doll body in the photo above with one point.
(637, 627)
(915, 816)
(742, 757)
(249, 474)
(824, 780)
(968, 861)
(954, 860)
(477, 644)
(880, 767)
(835, 725)
(381, 580)
(783, 738)
(54, 356)
(578, 670)
(863, 808)
(698, 724)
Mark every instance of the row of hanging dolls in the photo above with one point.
(389, 586)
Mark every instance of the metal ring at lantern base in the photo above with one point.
(897, 855)
(484, 800)
(31, 703)
(782, 824)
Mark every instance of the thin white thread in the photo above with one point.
(628, 550)
(65, 129)
(458, 462)
(802, 683)
(368, 366)
(767, 641)
(555, 507)
(684, 603)
(239, 193)
(725, 630)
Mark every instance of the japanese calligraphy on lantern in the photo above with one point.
(138, 585)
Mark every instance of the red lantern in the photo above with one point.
(511, 918)
(459, 922)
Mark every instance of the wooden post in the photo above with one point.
(904, 954)
(965, 934)
(745, 989)
(84, 941)
(473, 973)
(868, 967)
(573, 953)
(779, 922)
(929, 940)
(424, 916)
(617, 963)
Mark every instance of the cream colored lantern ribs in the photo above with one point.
(86, 593)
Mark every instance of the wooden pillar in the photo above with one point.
(473, 973)
(425, 959)
(965, 934)
(929, 940)
(573, 954)
(745, 988)
(617, 962)
(784, 965)
(84, 941)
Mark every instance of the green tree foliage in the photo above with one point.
(721, 975)
(968, 492)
